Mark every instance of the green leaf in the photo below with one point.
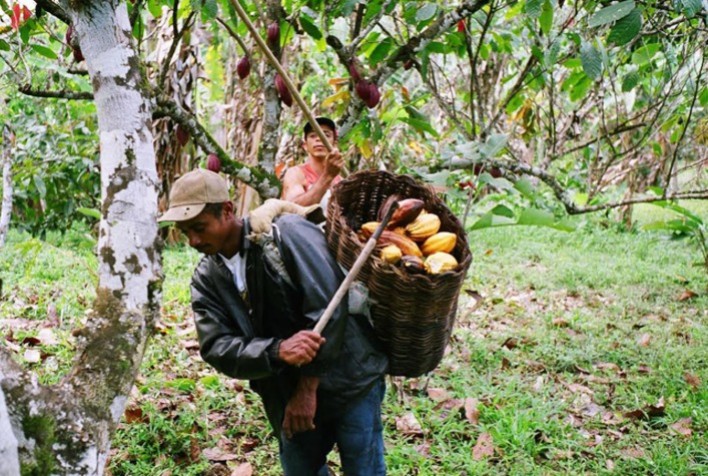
(186, 385)
(41, 187)
(630, 81)
(546, 18)
(420, 125)
(611, 13)
(155, 8)
(644, 55)
(626, 28)
(212, 382)
(381, 51)
(502, 210)
(426, 12)
(678, 209)
(592, 60)
(703, 98)
(310, 28)
(536, 217)
(44, 51)
(90, 212)
(690, 7)
(489, 220)
(533, 8)
(25, 32)
(580, 89)
(526, 188)
(4, 45)
(210, 9)
(494, 144)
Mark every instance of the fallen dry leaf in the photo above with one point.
(511, 343)
(635, 452)
(644, 340)
(472, 410)
(650, 411)
(135, 414)
(32, 356)
(683, 427)
(438, 394)
(591, 409)
(243, 469)
(46, 335)
(610, 465)
(484, 447)
(692, 380)
(408, 425)
(686, 295)
(218, 454)
(559, 322)
(643, 369)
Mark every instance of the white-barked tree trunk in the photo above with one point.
(67, 428)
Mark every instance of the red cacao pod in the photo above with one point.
(78, 54)
(408, 64)
(374, 96)
(354, 73)
(69, 34)
(243, 67)
(213, 163)
(461, 26)
(362, 90)
(182, 135)
(283, 91)
(274, 35)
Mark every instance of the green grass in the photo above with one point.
(577, 305)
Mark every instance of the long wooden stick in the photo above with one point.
(356, 267)
(288, 82)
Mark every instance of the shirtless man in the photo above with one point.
(309, 183)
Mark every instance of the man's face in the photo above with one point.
(207, 233)
(313, 145)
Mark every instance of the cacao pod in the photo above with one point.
(407, 211)
(274, 35)
(408, 64)
(440, 262)
(363, 91)
(399, 230)
(283, 91)
(406, 245)
(354, 73)
(213, 163)
(182, 135)
(78, 54)
(391, 254)
(461, 26)
(423, 227)
(383, 208)
(374, 96)
(368, 228)
(413, 264)
(443, 241)
(243, 68)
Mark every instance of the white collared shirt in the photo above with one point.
(237, 266)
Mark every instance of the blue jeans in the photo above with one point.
(357, 431)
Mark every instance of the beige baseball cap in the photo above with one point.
(192, 191)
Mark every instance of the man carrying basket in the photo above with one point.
(255, 301)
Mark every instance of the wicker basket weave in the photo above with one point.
(413, 314)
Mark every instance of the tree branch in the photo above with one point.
(61, 94)
(267, 185)
(54, 9)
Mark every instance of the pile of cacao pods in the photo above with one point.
(413, 239)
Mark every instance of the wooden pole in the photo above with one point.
(288, 82)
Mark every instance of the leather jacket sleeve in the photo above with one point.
(317, 277)
(226, 338)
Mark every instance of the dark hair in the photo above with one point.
(214, 209)
(323, 121)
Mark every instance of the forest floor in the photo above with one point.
(573, 353)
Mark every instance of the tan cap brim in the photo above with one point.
(182, 213)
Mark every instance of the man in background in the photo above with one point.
(310, 183)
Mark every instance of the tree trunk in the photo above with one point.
(6, 162)
(66, 428)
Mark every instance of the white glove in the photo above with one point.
(261, 219)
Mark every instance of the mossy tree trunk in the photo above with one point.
(67, 428)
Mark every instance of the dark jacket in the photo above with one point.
(237, 337)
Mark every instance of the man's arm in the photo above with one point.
(300, 409)
(294, 182)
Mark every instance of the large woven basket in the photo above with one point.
(413, 314)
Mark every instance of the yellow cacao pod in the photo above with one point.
(368, 228)
(440, 262)
(399, 230)
(405, 244)
(423, 227)
(391, 254)
(443, 241)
